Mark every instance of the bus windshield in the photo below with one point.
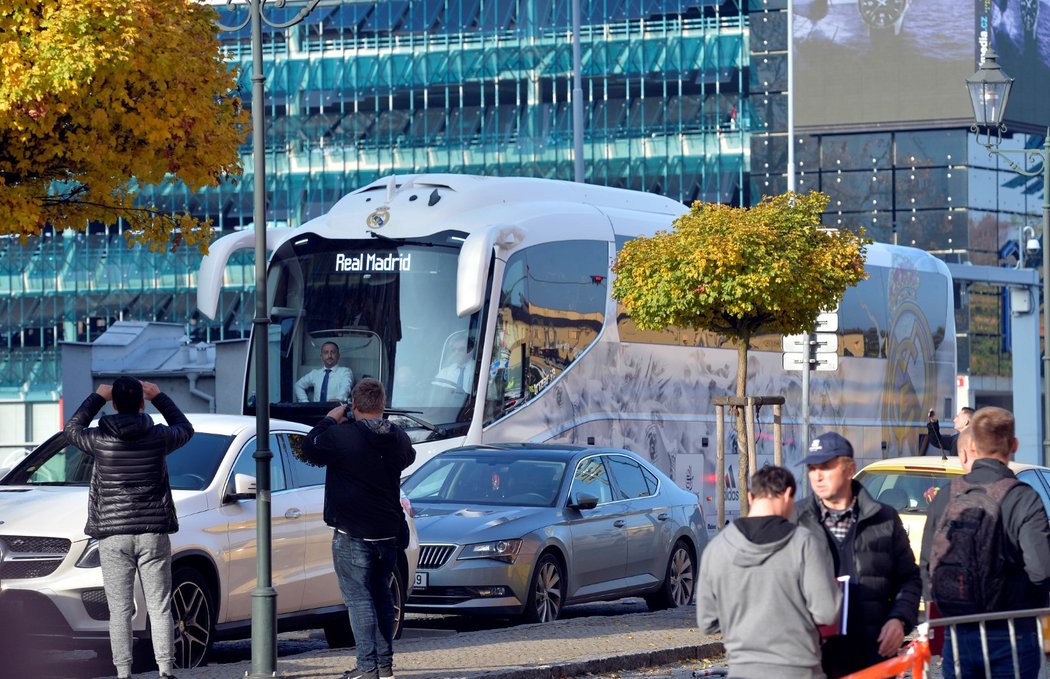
(343, 310)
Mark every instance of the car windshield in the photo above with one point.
(191, 467)
(908, 492)
(486, 480)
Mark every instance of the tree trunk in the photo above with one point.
(743, 468)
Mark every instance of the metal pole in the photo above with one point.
(791, 184)
(791, 96)
(577, 96)
(264, 596)
(1043, 297)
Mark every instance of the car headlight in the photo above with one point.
(90, 558)
(501, 550)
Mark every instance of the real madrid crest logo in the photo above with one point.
(910, 383)
(378, 218)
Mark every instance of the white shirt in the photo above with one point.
(456, 376)
(339, 382)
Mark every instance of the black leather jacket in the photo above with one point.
(129, 492)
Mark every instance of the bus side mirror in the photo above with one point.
(474, 260)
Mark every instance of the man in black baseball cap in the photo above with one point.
(868, 543)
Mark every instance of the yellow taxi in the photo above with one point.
(909, 484)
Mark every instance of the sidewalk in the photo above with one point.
(564, 648)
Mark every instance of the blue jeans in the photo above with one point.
(364, 569)
(1000, 655)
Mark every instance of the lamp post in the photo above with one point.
(264, 596)
(989, 93)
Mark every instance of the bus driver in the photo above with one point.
(330, 383)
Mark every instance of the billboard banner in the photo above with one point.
(1019, 30)
(877, 62)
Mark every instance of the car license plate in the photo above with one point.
(422, 579)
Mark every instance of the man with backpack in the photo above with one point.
(986, 548)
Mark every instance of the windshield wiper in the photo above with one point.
(412, 241)
(411, 415)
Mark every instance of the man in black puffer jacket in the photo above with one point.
(130, 510)
(362, 502)
(868, 543)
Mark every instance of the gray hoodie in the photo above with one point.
(767, 584)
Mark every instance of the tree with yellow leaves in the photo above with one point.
(740, 272)
(98, 98)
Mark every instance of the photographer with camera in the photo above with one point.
(364, 457)
(948, 442)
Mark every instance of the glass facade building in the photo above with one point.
(684, 98)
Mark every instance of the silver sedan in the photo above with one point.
(526, 529)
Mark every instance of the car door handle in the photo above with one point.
(663, 516)
(619, 523)
(293, 513)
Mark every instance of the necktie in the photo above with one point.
(324, 386)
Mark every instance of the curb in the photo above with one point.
(605, 664)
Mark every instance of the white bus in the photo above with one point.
(409, 272)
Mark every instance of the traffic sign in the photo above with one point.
(826, 342)
(828, 321)
(821, 342)
(819, 349)
(795, 360)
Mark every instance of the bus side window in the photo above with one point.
(552, 307)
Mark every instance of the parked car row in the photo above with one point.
(51, 576)
(516, 529)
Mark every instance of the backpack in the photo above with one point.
(967, 556)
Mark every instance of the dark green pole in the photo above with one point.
(264, 596)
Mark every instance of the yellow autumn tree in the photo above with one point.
(740, 272)
(99, 98)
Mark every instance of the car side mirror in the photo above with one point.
(583, 501)
(244, 487)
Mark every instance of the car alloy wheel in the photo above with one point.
(680, 574)
(194, 618)
(679, 580)
(546, 596)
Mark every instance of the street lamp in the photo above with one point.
(264, 596)
(989, 92)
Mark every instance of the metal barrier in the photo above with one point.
(915, 657)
